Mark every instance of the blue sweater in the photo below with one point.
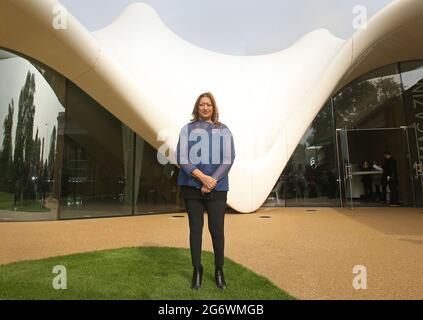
(203, 146)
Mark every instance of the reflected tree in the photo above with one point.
(358, 99)
(23, 159)
(321, 130)
(7, 150)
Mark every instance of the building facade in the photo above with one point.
(81, 114)
(377, 112)
(64, 156)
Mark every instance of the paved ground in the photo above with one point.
(310, 254)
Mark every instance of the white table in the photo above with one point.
(357, 184)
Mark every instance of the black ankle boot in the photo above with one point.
(197, 276)
(220, 278)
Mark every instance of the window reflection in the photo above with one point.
(412, 79)
(372, 101)
(156, 187)
(97, 166)
(98, 160)
(310, 176)
(30, 113)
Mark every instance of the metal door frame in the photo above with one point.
(347, 173)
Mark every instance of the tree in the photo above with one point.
(360, 98)
(23, 159)
(36, 152)
(52, 152)
(354, 101)
(7, 149)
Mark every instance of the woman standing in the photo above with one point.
(205, 153)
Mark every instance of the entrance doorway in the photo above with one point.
(360, 157)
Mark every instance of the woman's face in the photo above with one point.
(205, 108)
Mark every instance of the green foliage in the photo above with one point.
(23, 171)
(132, 273)
(7, 149)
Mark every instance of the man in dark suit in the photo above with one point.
(390, 178)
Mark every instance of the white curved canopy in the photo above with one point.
(149, 78)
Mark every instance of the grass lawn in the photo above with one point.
(7, 199)
(132, 273)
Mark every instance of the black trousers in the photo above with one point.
(368, 192)
(216, 220)
(393, 186)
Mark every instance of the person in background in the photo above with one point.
(390, 178)
(377, 180)
(366, 179)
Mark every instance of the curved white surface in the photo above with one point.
(149, 78)
(255, 94)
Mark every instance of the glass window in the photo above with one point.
(97, 175)
(310, 176)
(31, 111)
(82, 163)
(371, 101)
(412, 79)
(155, 188)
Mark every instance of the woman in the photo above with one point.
(205, 153)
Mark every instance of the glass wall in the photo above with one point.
(108, 170)
(31, 108)
(310, 176)
(62, 155)
(97, 160)
(380, 111)
(369, 116)
(155, 187)
(371, 101)
(412, 83)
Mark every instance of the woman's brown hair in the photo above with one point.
(215, 114)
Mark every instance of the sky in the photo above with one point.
(239, 27)
(47, 107)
